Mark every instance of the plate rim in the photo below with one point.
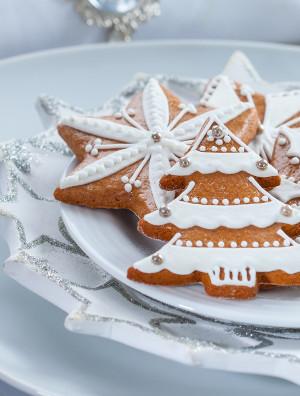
(149, 43)
(21, 385)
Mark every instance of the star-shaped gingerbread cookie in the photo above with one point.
(121, 157)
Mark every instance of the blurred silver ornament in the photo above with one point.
(122, 17)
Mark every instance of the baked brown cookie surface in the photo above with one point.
(122, 157)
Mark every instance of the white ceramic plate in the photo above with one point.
(36, 353)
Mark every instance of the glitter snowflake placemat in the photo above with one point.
(45, 259)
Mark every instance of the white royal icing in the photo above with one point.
(105, 128)
(157, 165)
(286, 191)
(220, 93)
(186, 215)
(228, 163)
(105, 166)
(293, 135)
(239, 68)
(279, 108)
(155, 107)
(238, 262)
(173, 141)
(189, 129)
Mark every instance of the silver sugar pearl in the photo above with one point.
(157, 259)
(156, 137)
(184, 162)
(164, 211)
(261, 128)
(262, 164)
(217, 132)
(286, 210)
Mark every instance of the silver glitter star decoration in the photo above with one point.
(51, 109)
(16, 152)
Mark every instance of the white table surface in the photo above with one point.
(40, 24)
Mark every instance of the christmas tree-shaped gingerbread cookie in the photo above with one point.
(121, 157)
(224, 230)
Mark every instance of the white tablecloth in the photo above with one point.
(39, 24)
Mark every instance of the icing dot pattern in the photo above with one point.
(217, 139)
(93, 147)
(232, 244)
(225, 201)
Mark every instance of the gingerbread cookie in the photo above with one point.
(226, 230)
(122, 157)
